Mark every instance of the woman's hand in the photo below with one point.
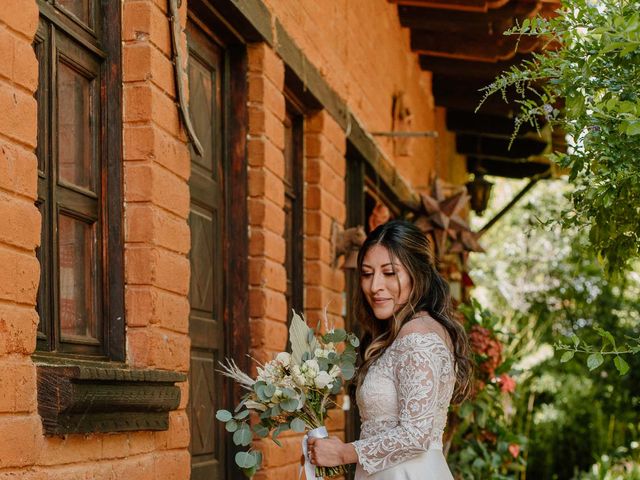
(331, 452)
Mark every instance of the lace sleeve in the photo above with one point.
(420, 368)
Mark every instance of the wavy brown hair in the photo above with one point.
(429, 293)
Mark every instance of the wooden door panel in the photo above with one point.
(206, 221)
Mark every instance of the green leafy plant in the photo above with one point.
(596, 354)
(483, 444)
(586, 83)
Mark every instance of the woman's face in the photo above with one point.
(384, 281)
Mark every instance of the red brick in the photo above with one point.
(21, 222)
(149, 142)
(317, 248)
(266, 214)
(138, 468)
(21, 16)
(18, 326)
(318, 223)
(19, 115)
(178, 434)
(18, 170)
(17, 386)
(263, 183)
(263, 153)
(262, 59)
(266, 243)
(141, 442)
(267, 273)
(71, 449)
(142, 21)
(268, 334)
(144, 62)
(148, 182)
(173, 465)
(275, 456)
(148, 224)
(115, 445)
(158, 267)
(19, 276)
(168, 350)
(264, 302)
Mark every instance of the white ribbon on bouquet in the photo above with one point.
(309, 468)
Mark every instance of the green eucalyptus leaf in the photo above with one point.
(298, 425)
(289, 405)
(243, 435)
(224, 415)
(231, 426)
(245, 459)
(241, 415)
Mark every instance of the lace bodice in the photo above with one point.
(403, 401)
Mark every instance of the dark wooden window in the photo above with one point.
(293, 207)
(80, 299)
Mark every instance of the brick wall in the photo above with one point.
(157, 243)
(20, 430)
(356, 45)
(361, 64)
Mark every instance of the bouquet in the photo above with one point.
(292, 391)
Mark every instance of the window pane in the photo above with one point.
(75, 132)
(80, 8)
(76, 267)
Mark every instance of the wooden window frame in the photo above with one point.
(294, 196)
(99, 42)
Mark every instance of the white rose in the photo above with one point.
(323, 379)
(297, 375)
(335, 371)
(310, 368)
(284, 358)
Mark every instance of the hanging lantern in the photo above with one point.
(479, 190)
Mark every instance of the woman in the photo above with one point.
(415, 363)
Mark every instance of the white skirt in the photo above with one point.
(430, 465)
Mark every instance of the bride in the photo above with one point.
(414, 365)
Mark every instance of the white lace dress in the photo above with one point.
(403, 404)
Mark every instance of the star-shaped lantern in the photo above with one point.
(441, 219)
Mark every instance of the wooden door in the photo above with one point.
(206, 221)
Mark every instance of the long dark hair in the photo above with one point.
(429, 293)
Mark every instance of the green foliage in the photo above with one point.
(547, 286)
(586, 83)
(483, 443)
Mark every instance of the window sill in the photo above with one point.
(94, 397)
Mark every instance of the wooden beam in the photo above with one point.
(506, 169)
(499, 147)
(494, 21)
(459, 5)
(484, 71)
(465, 96)
(483, 48)
(249, 20)
(482, 124)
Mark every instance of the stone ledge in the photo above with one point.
(86, 399)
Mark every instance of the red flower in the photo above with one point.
(514, 449)
(507, 384)
(483, 343)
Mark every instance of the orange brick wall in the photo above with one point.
(355, 46)
(157, 244)
(359, 47)
(20, 428)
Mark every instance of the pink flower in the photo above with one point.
(507, 384)
(514, 449)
